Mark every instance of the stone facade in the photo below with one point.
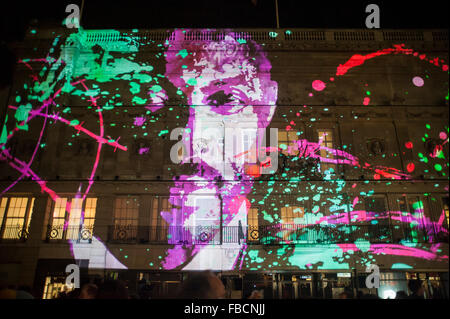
(398, 112)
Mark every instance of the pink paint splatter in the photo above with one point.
(318, 85)
(418, 81)
(355, 201)
(366, 101)
(139, 120)
(442, 135)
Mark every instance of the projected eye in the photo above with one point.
(219, 98)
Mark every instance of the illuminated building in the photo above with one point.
(358, 174)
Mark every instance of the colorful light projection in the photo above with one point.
(228, 81)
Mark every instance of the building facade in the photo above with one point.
(285, 160)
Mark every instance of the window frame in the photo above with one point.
(131, 230)
(85, 232)
(324, 166)
(23, 231)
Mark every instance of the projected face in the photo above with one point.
(227, 84)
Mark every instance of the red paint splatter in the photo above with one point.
(409, 145)
(376, 176)
(410, 167)
(357, 59)
(366, 101)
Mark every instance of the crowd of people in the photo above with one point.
(201, 285)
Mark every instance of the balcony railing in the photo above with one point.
(278, 234)
(14, 233)
(81, 234)
(176, 235)
(271, 234)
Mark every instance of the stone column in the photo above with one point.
(36, 230)
(104, 216)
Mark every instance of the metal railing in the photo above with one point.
(14, 233)
(278, 234)
(176, 235)
(78, 233)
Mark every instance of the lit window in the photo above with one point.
(72, 219)
(15, 217)
(54, 286)
(287, 142)
(292, 215)
(126, 214)
(326, 140)
(252, 222)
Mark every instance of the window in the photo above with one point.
(15, 217)
(292, 215)
(287, 142)
(445, 209)
(55, 285)
(206, 219)
(326, 140)
(76, 225)
(158, 226)
(126, 218)
(412, 209)
(89, 212)
(377, 212)
(252, 222)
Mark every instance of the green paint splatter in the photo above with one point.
(183, 53)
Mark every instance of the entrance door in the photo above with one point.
(305, 289)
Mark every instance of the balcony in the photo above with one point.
(16, 233)
(280, 234)
(80, 234)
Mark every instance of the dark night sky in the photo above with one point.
(222, 13)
